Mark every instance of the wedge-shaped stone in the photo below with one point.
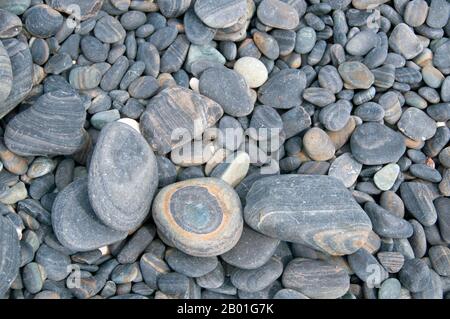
(317, 211)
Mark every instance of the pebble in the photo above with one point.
(391, 261)
(298, 194)
(252, 70)
(34, 17)
(244, 255)
(228, 88)
(55, 263)
(356, 75)
(73, 232)
(418, 198)
(208, 212)
(53, 125)
(404, 41)
(190, 266)
(220, 14)
(386, 224)
(156, 127)
(374, 144)
(9, 254)
(390, 289)
(336, 115)
(254, 280)
(305, 40)
(416, 124)
(415, 275)
(316, 279)
(440, 259)
(274, 91)
(121, 154)
(416, 12)
(318, 145)
(137, 244)
(386, 177)
(109, 30)
(346, 169)
(278, 14)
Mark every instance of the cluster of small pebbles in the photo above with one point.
(334, 184)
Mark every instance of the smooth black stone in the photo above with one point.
(253, 280)
(252, 251)
(374, 144)
(425, 172)
(190, 266)
(10, 259)
(123, 177)
(418, 198)
(229, 89)
(75, 223)
(415, 275)
(316, 279)
(56, 264)
(365, 266)
(136, 245)
(152, 267)
(274, 202)
(386, 224)
(284, 89)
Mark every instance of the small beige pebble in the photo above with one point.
(318, 145)
(253, 71)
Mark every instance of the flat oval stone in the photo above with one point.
(438, 13)
(365, 265)
(196, 31)
(109, 30)
(404, 41)
(390, 289)
(201, 217)
(9, 254)
(220, 14)
(75, 223)
(386, 224)
(253, 280)
(346, 169)
(52, 126)
(329, 78)
(229, 89)
(143, 87)
(305, 40)
(55, 263)
(252, 70)
(175, 55)
(361, 43)
(85, 77)
(93, 49)
(319, 96)
(252, 250)
(318, 144)
(416, 124)
(356, 75)
(386, 177)
(415, 275)
(278, 14)
(190, 266)
(374, 144)
(123, 177)
(274, 202)
(418, 198)
(173, 8)
(284, 89)
(195, 114)
(336, 115)
(5, 73)
(316, 279)
(370, 112)
(39, 13)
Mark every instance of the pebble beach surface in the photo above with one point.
(224, 149)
